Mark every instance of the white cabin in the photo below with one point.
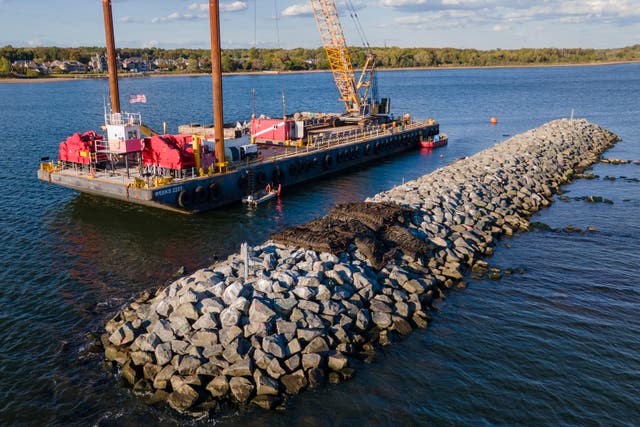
(123, 132)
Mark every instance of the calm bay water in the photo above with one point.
(557, 344)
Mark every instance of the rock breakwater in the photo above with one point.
(294, 312)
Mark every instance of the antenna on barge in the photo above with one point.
(253, 99)
(284, 106)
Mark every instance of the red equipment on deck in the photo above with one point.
(169, 151)
(175, 152)
(81, 148)
(276, 130)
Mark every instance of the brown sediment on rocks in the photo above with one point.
(322, 294)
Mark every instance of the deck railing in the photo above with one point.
(123, 118)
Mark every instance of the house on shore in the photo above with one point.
(29, 65)
(67, 67)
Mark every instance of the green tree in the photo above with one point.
(228, 65)
(24, 54)
(205, 64)
(193, 66)
(5, 67)
(8, 52)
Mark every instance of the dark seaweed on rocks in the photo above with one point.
(375, 228)
(373, 215)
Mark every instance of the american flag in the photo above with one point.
(137, 98)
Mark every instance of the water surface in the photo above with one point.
(557, 344)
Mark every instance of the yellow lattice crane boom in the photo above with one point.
(354, 93)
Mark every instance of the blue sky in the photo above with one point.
(481, 24)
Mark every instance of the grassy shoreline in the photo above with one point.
(66, 78)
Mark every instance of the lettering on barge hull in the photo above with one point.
(167, 191)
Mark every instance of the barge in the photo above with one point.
(134, 170)
(198, 169)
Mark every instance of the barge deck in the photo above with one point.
(322, 153)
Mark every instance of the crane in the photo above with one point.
(353, 92)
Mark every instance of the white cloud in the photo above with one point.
(402, 3)
(150, 43)
(298, 10)
(176, 16)
(412, 20)
(500, 27)
(201, 12)
(502, 13)
(235, 6)
(305, 9)
(433, 5)
(130, 20)
(198, 6)
(453, 18)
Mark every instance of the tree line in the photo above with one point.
(301, 59)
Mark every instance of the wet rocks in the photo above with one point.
(182, 398)
(323, 293)
(241, 389)
(617, 161)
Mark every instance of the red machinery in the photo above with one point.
(81, 148)
(175, 152)
(169, 151)
(273, 129)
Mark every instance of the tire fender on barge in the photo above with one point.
(327, 161)
(214, 192)
(184, 199)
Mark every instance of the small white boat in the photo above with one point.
(257, 197)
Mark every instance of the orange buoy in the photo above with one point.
(493, 120)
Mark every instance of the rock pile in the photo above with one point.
(296, 310)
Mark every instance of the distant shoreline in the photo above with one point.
(258, 73)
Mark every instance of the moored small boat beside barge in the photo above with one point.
(435, 141)
(261, 196)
